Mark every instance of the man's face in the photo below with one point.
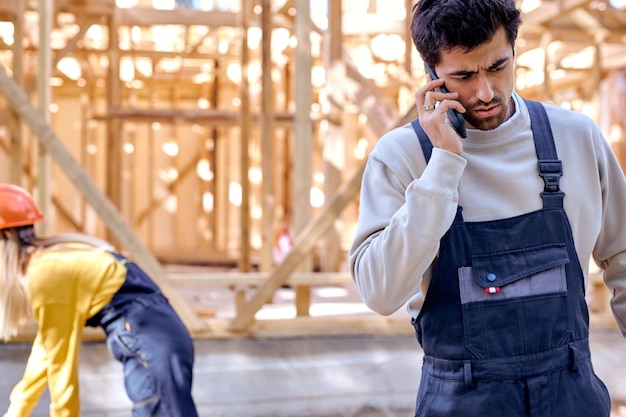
(484, 79)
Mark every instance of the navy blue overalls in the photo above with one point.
(146, 335)
(504, 325)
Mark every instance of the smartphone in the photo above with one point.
(456, 118)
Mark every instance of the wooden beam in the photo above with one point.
(18, 75)
(595, 87)
(381, 114)
(85, 8)
(84, 52)
(332, 326)
(227, 279)
(113, 149)
(549, 11)
(66, 215)
(303, 143)
(100, 7)
(339, 325)
(44, 99)
(547, 60)
(156, 201)
(281, 16)
(101, 204)
(268, 200)
(193, 115)
(245, 129)
(83, 27)
(147, 16)
(305, 241)
(282, 6)
(332, 131)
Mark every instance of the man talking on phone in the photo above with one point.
(487, 240)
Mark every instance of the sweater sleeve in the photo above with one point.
(53, 361)
(610, 249)
(401, 221)
(25, 395)
(60, 329)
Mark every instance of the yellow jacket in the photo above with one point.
(67, 285)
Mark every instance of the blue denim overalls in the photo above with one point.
(146, 335)
(504, 325)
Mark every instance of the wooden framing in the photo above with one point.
(53, 145)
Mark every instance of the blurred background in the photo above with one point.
(221, 142)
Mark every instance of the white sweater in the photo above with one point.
(406, 207)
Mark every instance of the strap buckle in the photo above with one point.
(551, 172)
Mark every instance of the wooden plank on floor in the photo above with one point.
(220, 328)
(226, 279)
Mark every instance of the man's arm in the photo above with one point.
(610, 249)
(401, 222)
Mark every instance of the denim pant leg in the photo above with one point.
(157, 352)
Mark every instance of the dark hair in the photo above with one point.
(441, 25)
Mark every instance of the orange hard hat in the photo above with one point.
(17, 207)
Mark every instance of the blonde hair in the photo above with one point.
(14, 306)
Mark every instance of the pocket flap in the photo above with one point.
(499, 269)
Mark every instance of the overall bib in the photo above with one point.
(504, 325)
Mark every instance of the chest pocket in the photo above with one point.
(515, 302)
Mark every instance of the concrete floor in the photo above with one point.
(364, 376)
(348, 376)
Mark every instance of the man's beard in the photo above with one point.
(489, 123)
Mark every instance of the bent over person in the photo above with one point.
(68, 281)
(487, 239)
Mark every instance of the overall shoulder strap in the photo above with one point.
(427, 150)
(427, 146)
(549, 166)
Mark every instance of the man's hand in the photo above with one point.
(432, 105)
